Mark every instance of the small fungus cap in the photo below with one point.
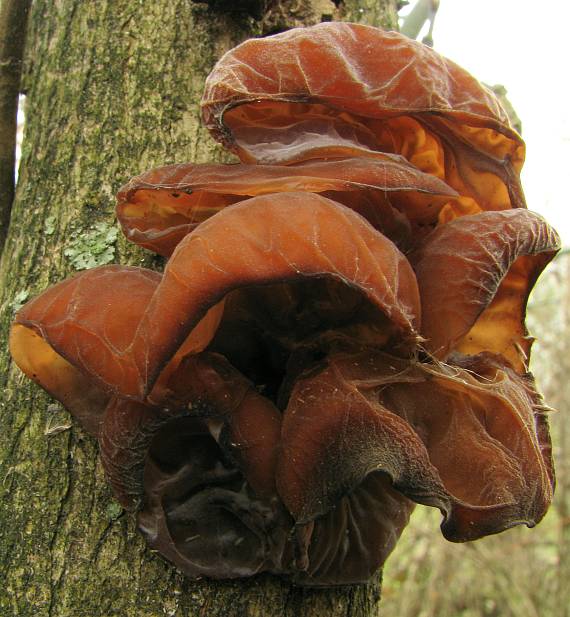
(200, 470)
(72, 338)
(475, 275)
(370, 72)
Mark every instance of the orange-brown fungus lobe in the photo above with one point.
(78, 334)
(475, 275)
(272, 239)
(160, 207)
(71, 338)
(269, 100)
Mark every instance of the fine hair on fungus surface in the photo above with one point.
(339, 331)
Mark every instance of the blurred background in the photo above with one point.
(519, 47)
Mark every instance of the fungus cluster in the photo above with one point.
(338, 333)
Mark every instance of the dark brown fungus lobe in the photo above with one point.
(201, 473)
(209, 386)
(350, 543)
(266, 240)
(444, 436)
(160, 207)
(475, 275)
(270, 101)
(71, 337)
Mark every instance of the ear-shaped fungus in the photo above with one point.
(270, 101)
(160, 207)
(71, 337)
(444, 436)
(76, 338)
(281, 397)
(475, 275)
(273, 239)
(201, 473)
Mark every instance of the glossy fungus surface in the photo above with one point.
(160, 207)
(71, 337)
(339, 331)
(277, 239)
(478, 271)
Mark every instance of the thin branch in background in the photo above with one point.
(13, 21)
(424, 11)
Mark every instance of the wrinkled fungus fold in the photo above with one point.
(475, 275)
(200, 474)
(441, 433)
(339, 331)
(273, 239)
(160, 207)
(267, 94)
(71, 339)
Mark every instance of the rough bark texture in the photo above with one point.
(13, 18)
(113, 88)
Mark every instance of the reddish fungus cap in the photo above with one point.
(158, 208)
(269, 101)
(275, 239)
(362, 64)
(200, 473)
(72, 339)
(475, 275)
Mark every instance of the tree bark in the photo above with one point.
(13, 19)
(113, 88)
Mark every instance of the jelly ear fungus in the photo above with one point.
(339, 331)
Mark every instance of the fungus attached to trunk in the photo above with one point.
(462, 440)
(339, 331)
(71, 337)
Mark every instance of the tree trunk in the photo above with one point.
(13, 19)
(113, 88)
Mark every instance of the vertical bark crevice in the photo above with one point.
(13, 26)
